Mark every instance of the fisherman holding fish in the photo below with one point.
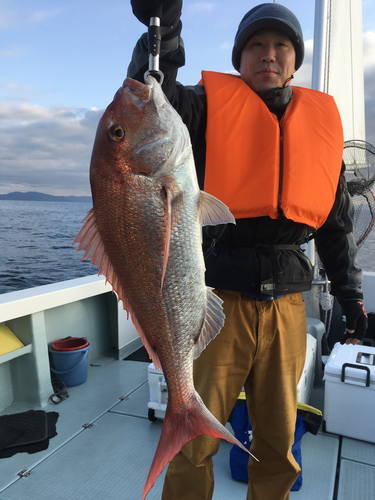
(273, 154)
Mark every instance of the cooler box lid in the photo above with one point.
(353, 364)
(152, 369)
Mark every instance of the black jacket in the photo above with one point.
(258, 255)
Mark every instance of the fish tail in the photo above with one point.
(179, 429)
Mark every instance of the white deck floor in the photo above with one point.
(111, 460)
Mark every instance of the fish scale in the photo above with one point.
(144, 233)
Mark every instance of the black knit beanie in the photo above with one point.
(268, 15)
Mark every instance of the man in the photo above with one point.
(273, 154)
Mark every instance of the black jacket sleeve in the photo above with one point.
(337, 248)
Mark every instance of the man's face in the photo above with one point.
(267, 60)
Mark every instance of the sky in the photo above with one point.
(62, 62)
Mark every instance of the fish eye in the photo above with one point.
(117, 132)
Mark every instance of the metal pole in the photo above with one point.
(317, 81)
(320, 44)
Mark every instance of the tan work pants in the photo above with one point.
(261, 347)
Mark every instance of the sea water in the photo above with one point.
(36, 244)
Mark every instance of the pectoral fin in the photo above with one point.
(212, 324)
(213, 211)
(174, 198)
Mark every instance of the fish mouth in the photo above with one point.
(138, 92)
(136, 89)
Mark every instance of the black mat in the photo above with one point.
(139, 355)
(29, 432)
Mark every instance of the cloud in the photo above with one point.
(302, 77)
(46, 149)
(200, 7)
(8, 19)
(12, 17)
(42, 15)
(14, 51)
(369, 52)
(226, 46)
(16, 87)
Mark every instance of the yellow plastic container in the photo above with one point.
(8, 341)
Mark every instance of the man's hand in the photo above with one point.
(171, 11)
(356, 321)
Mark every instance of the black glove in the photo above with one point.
(170, 13)
(356, 319)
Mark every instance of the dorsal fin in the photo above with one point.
(212, 324)
(89, 239)
(213, 211)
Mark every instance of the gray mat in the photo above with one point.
(319, 460)
(135, 403)
(358, 451)
(357, 481)
(86, 402)
(109, 461)
(112, 459)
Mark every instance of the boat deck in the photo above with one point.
(111, 459)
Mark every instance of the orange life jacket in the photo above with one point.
(258, 166)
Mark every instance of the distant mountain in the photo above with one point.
(34, 196)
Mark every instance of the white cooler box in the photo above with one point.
(306, 382)
(349, 399)
(159, 392)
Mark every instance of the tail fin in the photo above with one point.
(179, 429)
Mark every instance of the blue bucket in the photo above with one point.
(70, 366)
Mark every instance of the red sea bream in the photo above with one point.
(144, 233)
